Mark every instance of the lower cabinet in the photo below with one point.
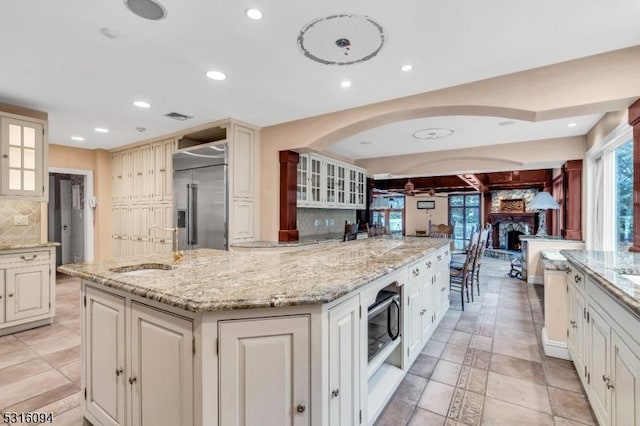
(138, 363)
(624, 382)
(264, 371)
(344, 363)
(599, 349)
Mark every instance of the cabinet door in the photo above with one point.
(427, 306)
(105, 367)
(360, 190)
(126, 190)
(27, 292)
(599, 342)
(341, 185)
(242, 160)
(302, 183)
(161, 373)
(137, 174)
(116, 177)
(315, 182)
(580, 334)
(353, 185)
(264, 372)
(167, 170)
(414, 319)
(344, 363)
(625, 382)
(329, 183)
(156, 178)
(22, 157)
(2, 296)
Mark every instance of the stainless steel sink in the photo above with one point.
(142, 269)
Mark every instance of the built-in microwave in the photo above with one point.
(383, 322)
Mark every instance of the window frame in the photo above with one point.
(464, 206)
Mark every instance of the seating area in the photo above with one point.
(464, 271)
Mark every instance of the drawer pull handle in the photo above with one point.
(132, 380)
(30, 259)
(605, 378)
(573, 324)
(443, 289)
(300, 408)
(428, 264)
(10, 294)
(335, 393)
(446, 253)
(577, 278)
(439, 258)
(119, 371)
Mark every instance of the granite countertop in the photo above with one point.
(17, 246)
(303, 241)
(210, 280)
(547, 238)
(552, 260)
(607, 269)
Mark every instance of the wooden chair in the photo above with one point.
(458, 262)
(482, 246)
(350, 231)
(459, 279)
(440, 231)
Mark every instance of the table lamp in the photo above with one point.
(542, 202)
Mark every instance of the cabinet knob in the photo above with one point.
(610, 385)
(439, 258)
(573, 324)
(132, 380)
(10, 294)
(301, 408)
(119, 371)
(5, 156)
(335, 393)
(605, 378)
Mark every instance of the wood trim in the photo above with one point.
(288, 196)
(557, 218)
(634, 120)
(24, 112)
(572, 171)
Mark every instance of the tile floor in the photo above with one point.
(40, 368)
(485, 366)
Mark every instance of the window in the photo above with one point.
(393, 217)
(464, 215)
(623, 157)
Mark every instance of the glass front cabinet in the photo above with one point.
(324, 183)
(23, 158)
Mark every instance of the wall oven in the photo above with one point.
(383, 322)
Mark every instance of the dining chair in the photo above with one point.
(482, 246)
(460, 279)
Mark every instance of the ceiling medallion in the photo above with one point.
(433, 133)
(344, 39)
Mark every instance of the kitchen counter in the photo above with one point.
(552, 260)
(607, 270)
(20, 246)
(211, 280)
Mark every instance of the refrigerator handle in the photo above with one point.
(192, 206)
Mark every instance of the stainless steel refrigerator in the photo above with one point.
(200, 197)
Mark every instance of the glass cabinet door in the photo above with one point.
(315, 183)
(22, 144)
(341, 177)
(330, 182)
(360, 189)
(352, 186)
(303, 180)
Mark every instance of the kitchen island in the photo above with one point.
(255, 338)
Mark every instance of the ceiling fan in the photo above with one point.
(410, 190)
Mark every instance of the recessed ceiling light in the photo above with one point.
(255, 14)
(101, 130)
(141, 129)
(108, 32)
(77, 138)
(142, 104)
(365, 143)
(345, 83)
(433, 133)
(572, 124)
(147, 9)
(216, 75)
(506, 123)
(406, 67)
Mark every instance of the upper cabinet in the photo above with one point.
(327, 183)
(24, 160)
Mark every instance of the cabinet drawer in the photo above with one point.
(418, 270)
(25, 258)
(575, 277)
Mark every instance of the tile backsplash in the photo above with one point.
(27, 212)
(323, 221)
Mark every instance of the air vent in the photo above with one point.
(178, 116)
(147, 9)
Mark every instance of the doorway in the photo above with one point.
(69, 216)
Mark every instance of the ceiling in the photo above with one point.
(56, 59)
(397, 138)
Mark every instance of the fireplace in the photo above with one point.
(513, 240)
(503, 223)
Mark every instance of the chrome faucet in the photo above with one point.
(177, 253)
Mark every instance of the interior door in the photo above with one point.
(65, 220)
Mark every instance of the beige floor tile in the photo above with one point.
(467, 326)
(436, 398)
(65, 356)
(513, 335)
(500, 413)
(561, 421)
(50, 346)
(72, 417)
(411, 388)
(517, 350)
(571, 405)
(460, 338)
(454, 353)
(41, 334)
(433, 348)
(71, 371)
(517, 367)
(423, 366)
(64, 404)
(478, 359)
(517, 391)
(46, 398)
(466, 407)
(21, 371)
(396, 413)
(425, 418)
(473, 379)
(442, 335)
(483, 343)
(31, 386)
(11, 345)
(561, 377)
(16, 357)
(446, 372)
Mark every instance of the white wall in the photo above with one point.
(419, 219)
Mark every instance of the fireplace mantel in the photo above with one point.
(496, 218)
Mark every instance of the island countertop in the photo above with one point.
(211, 280)
(608, 269)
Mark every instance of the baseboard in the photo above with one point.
(554, 348)
(535, 279)
(25, 326)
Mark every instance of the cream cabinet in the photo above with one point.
(24, 157)
(327, 183)
(344, 363)
(265, 371)
(27, 288)
(604, 345)
(148, 380)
